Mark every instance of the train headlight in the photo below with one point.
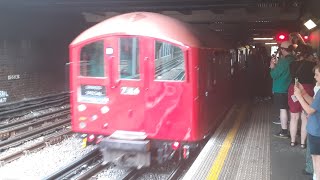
(94, 117)
(82, 107)
(82, 125)
(105, 109)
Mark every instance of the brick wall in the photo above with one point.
(34, 51)
(29, 69)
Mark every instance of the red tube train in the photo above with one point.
(146, 86)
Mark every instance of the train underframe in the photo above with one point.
(142, 152)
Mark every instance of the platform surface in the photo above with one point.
(244, 148)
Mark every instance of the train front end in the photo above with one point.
(134, 88)
(132, 95)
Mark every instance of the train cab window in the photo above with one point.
(91, 60)
(129, 58)
(169, 62)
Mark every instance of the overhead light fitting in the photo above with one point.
(262, 39)
(310, 24)
(271, 43)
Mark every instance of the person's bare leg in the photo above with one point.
(294, 117)
(316, 165)
(303, 128)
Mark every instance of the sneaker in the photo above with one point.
(282, 135)
(276, 121)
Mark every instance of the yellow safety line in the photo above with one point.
(222, 155)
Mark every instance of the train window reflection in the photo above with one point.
(91, 60)
(169, 62)
(129, 58)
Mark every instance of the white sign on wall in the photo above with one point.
(13, 76)
(3, 96)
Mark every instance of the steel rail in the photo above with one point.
(12, 131)
(31, 118)
(92, 171)
(50, 140)
(69, 169)
(32, 106)
(16, 104)
(33, 134)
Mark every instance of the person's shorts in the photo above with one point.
(314, 144)
(280, 100)
(295, 107)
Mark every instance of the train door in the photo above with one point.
(168, 100)
(126, 83)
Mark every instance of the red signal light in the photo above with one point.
(282, 37)
(306, 38)
(175, 145)
(91, 138)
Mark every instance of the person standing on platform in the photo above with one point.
(308, 170)
(300, 70)
(312, 108)
(281, 79)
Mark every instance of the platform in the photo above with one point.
(244, 148)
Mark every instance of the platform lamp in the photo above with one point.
(310, 21)
(310, 24)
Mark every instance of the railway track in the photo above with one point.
(91, 163)
(31, 101)
(50, 140)
(12, 129)
(21, 108)
(150, 173)
(34, 133)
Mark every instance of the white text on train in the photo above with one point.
(129, 91)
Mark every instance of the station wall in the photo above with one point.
(34, 53)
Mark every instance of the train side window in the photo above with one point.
(169, 62)
(129, 58)
(91, 60)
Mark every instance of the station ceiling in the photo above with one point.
(238, 20)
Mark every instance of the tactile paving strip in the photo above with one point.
(249, 156)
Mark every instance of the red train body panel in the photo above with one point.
(151, 75)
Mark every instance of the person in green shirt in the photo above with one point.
(281, 79)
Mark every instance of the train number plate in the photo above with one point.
(129, 91)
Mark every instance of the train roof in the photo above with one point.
(152, 25)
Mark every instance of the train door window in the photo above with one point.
(169, 62)
(91, 60)
(129, 58)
